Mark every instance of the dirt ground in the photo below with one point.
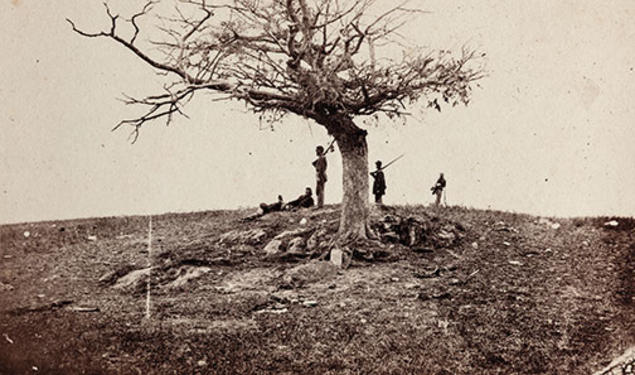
(507, 294)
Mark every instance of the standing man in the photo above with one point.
(320, 174)
(379, 185)
(437, 189)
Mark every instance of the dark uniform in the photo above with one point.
(305, 200)
(266, 208)
(379, 183)
(437, 189)
(320, 175)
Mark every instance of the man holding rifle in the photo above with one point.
(320, 173)
(379, 185)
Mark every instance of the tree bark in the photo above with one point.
(351, 141)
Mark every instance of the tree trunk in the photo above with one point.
(355, 206)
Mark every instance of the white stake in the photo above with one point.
(150, 268)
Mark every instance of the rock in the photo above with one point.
(621, 364)
(316, 239)
(515, 263)
(549, 223)
(201, 363)
(112, 276)
(475, 245)
(308, 273)
(274, 247)
(292, 233)
(273, 311)
(446, 235)
(251, 236)
(506, 243)
(310, 303)
(132, 279)
(27, 234)
(336, 257)
(188, 273)
(303, 221)
(91, 238)
(296, 246)
(612, 223)
(450, 267)
(454, 281)
(84, 309)
(427, 274)
(256, 236)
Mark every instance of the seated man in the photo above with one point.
(303, 201)
(266, 208)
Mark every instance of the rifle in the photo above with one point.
(392, 161)
(329, 147)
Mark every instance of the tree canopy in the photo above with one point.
(316, 59)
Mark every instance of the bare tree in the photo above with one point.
(327, 60)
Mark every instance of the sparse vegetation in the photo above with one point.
(504, 294)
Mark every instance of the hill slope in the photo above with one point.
(454, 291)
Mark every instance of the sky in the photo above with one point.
(548, 132)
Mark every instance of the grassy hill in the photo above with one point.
(451, 291)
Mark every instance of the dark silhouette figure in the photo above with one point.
(437, 189)
(320, 175)
(379, 183)
(266, 208)
(303, 201)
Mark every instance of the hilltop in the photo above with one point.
(449, 291)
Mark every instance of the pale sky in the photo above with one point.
(549, 132)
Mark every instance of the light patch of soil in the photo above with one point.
(132, 279)
(187, 274)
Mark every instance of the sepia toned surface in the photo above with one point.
(432, 290)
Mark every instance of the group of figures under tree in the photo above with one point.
(330, 61)
(320, 164)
